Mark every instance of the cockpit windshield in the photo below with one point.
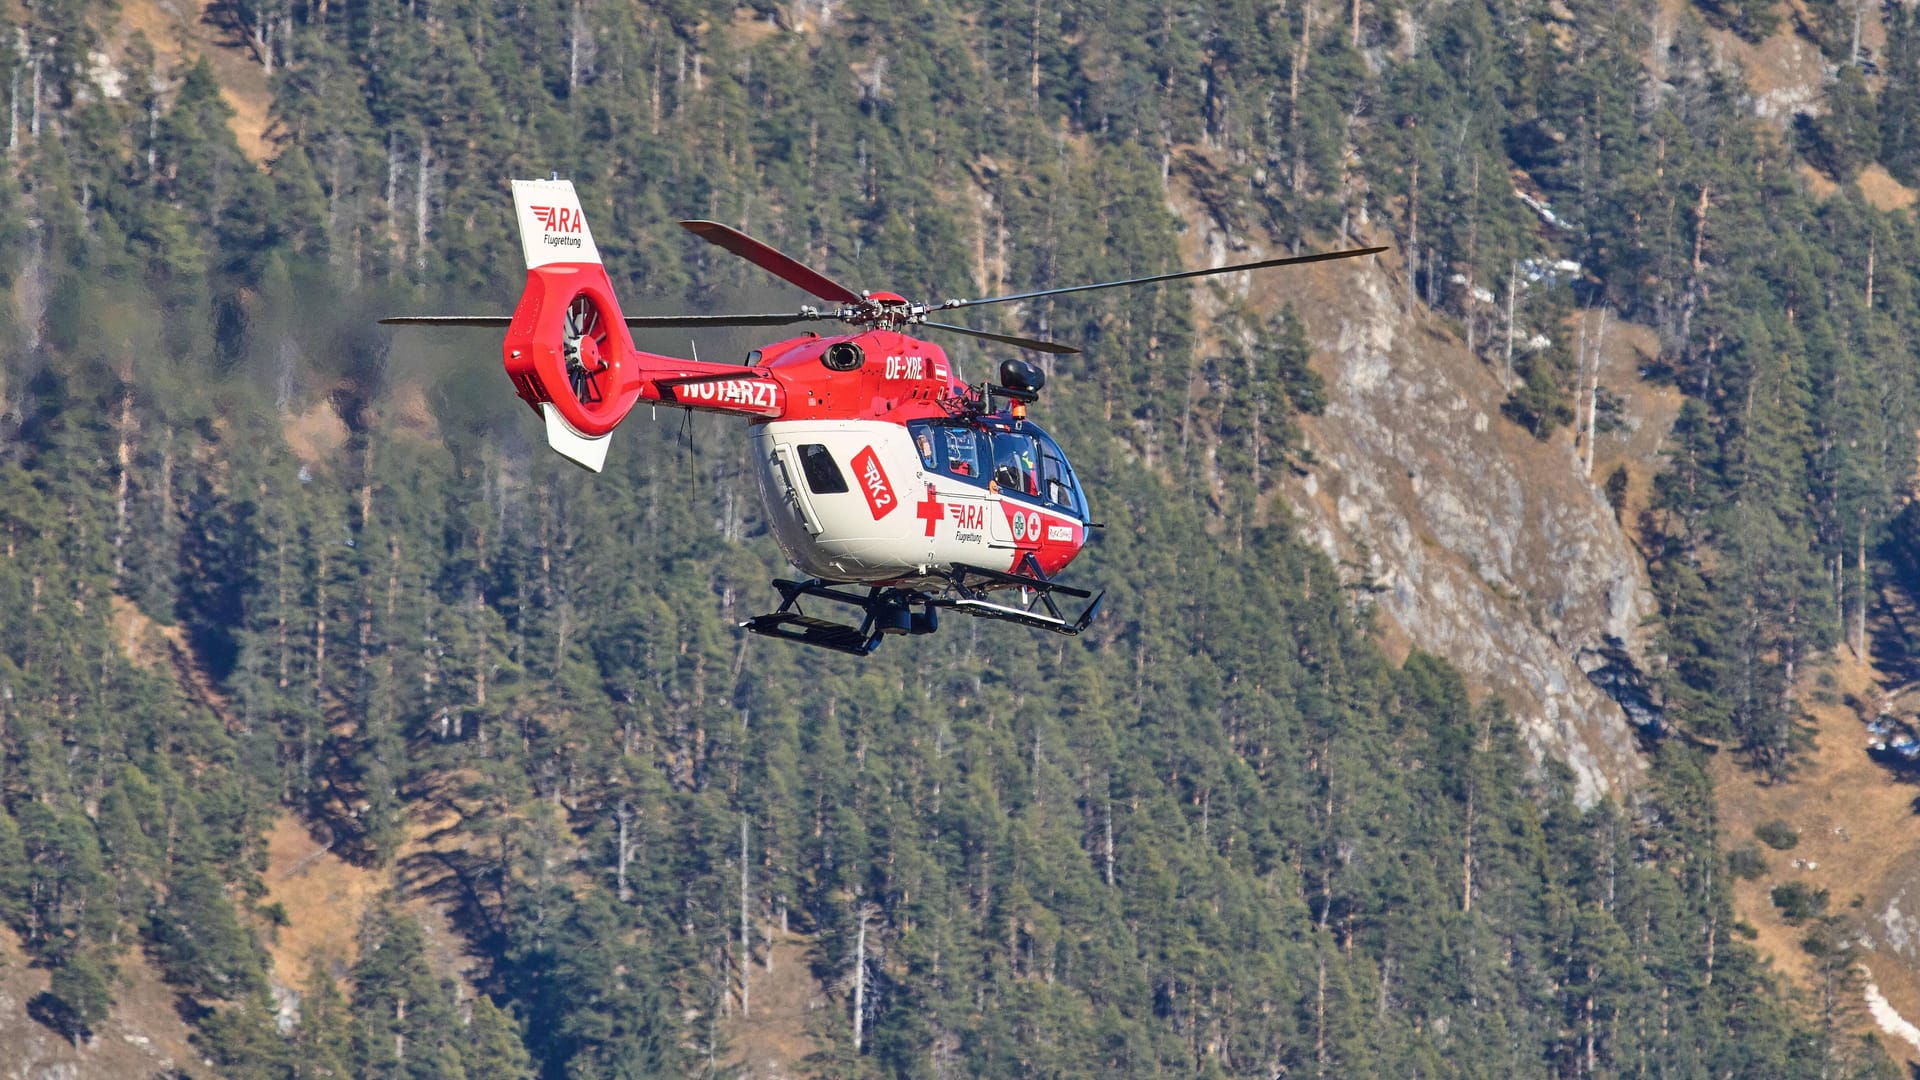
(1019, 460)
(1015, 468)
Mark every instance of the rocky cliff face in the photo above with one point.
(1490, 547)
(1487, 546)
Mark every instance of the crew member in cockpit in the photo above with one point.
(1013, 466)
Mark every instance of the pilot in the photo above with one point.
(924, 443)
(1014, 470)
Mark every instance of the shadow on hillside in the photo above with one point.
(464, 885)
(1893, 620)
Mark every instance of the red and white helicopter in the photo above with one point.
(896, 486)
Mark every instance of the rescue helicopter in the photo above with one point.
(896, 487)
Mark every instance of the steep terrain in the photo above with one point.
(181, 32)
(1854, 841)
(383, 744)
(143, 1036)
(1486, 545)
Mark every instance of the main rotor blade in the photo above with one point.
(723, 320)
(772, 261)
(1023, 342)
(1294, 260)
(632, 320)
(447, 320)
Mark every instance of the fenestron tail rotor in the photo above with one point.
(585, 347)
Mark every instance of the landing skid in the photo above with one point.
(891, 610)
(888, 611)
(970, 585)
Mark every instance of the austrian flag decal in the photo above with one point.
(873, 483)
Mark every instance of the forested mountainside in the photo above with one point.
(1220, 834)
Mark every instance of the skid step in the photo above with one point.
(807, 630)
(1039, 619)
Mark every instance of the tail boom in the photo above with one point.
(568, 350)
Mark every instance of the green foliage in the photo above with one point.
(1541, 403)
(1900, 96)
(1848, 137)
(79, 993)
(1616, 489)
(1219, 834)
(1798, 901)
(1747, 863)
(1777, 834)
(1753, 20)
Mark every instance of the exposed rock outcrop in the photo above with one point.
(1482, 544)
(1491, 548)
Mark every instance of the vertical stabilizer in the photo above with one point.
(565, 347)
(589, 454)
(552, 227)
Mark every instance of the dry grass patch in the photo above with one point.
(143, 642)
(771, 1043)
(1650, 408)
(324, 897)
(316, 434)
(1858, 832)
(1882, 191)
(179, 31)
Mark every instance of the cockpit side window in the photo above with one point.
(1056, 482)
(823, 476)
(923, 444)
(960, 449)
(953, 449)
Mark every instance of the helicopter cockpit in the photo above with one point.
(1013, 457)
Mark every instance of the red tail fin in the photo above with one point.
(567, 350)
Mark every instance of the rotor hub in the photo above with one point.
(584, 348)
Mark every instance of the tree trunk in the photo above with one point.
(1413, 237)
(1320, 1018)
(1593, 392)
(1466, 874)
(1871, 240)
(622, 853)
(123, 458)
(422, 206)
(1693, 279)
(866, 915)
(1860, 609)
(1473, 243)
(1513, 288)
(1109, 841)
(746, 934)
(1299, 71)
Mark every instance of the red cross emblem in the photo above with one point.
(930, 509)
